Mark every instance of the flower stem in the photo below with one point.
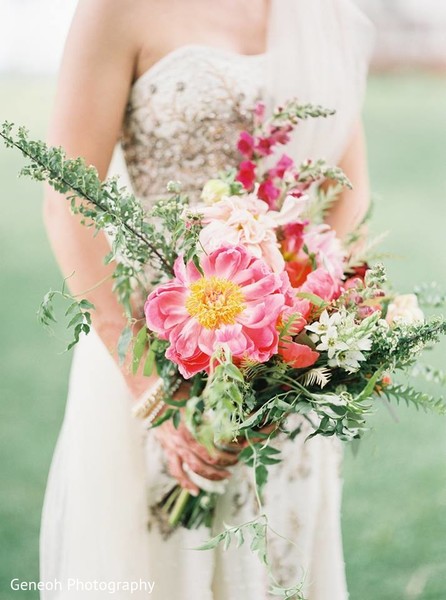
(172, 498)
(179, 506)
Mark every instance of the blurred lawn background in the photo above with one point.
(394, 512)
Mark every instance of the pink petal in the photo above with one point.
(233, 337)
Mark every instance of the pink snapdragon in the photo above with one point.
(284, 164)
(245, 144)
(247, 174)
(259, 113)
(268, 192)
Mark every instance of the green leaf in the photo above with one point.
(316, 300)
(79, 318)
(369, 388)
(232, 371)
(176, 419)
(74, 307)
(261, 474)
(123, 343)
(149, 362)
(266, 460)
(239, 537)
(166, 416)
(227, 542)
(86, 305)
(138, 348)
(176, 403)
(270, 450)
(213, 542)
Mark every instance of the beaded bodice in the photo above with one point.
(183, 117)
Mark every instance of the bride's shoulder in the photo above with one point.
(113, 12)
(109, 29)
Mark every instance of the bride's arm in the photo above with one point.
(353, 204)
(95, 76)
(97, 71)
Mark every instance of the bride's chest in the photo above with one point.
(185, 113)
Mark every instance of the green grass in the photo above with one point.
(395, 489)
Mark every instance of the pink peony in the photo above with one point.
(322, 284)
(238, 302)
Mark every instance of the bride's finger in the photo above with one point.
(219, 458)
(268, 429)
(197, 465)
(175, 466)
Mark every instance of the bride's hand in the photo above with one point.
(182, 448)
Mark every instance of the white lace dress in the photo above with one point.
(181, 123)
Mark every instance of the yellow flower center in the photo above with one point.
(215, 302)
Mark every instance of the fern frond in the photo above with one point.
(319, 376)
(322, 201)
(411, 396)
(367, 254)
(252, 369)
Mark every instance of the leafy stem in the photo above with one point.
(52, 176)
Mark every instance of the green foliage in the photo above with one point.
(78, 312)
(103, 205)
(322, 202)
(319, 170)
(260, 456)
(294, 111)
(398, 347)
(413, 397)
(140, 345)
(376, 276)
(123, 343)
(226, 396)
(256, 533)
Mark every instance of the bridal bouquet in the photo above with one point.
(255, 301)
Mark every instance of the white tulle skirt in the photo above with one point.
(98, 534)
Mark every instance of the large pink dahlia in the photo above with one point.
(237, 301)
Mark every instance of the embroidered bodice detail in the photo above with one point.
(184, 115)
